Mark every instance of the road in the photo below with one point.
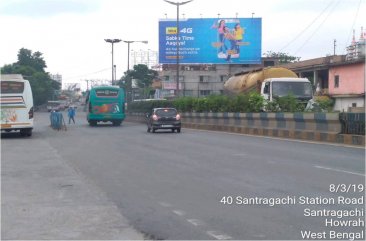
(173, 186)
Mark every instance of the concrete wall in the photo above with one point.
(351, 79)
(305, 126)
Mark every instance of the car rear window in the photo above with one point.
(166, 112)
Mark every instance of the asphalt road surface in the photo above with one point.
(195, 184)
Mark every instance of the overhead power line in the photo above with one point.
(83, 75)
(316, 30)
(307, 27)
(353, 25)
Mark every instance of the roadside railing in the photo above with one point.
(352, 123)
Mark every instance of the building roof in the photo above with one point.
(321, 63)
(11, 77)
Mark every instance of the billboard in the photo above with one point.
(211, 41)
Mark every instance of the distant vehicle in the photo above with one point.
(16, 104)
(106, 103)
(163, 118)
(54, 105)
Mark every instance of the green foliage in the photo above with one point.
(31, 66)
(250, 102)
(323, 104)
(283, 58)
(184, 104)
(33, 60)
(143, 76)
(255, 102)
(147, 106)
(287, 103)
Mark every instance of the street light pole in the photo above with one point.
(128, 50)
(129, 86)
(112, 41)
(178, 4)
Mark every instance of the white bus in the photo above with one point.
(16, 102)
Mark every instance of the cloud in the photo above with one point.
(47, 8)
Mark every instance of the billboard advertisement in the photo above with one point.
(211, 41)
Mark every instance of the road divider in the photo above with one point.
(323, 127)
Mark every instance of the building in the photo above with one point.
(57, 78)
(342, 77)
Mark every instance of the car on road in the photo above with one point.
(163, 118)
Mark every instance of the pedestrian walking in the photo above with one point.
(71, 113)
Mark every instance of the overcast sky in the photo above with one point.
(71, 33)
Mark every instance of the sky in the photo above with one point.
(70, 33)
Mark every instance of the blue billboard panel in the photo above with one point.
(211, 41)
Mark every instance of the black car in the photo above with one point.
(163, 118)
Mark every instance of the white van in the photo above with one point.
(16, 103)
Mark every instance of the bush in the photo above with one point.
(287, 103)
(250, 102)
(323, 103)
(184, 104)
(256, 102)
(147, 106)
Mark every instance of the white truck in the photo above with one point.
(272, 82)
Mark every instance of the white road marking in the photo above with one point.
(218, 235)
(240, 154)
(337, 170)
(179, 212)
(261, 236)
(195, 222)
(164, 204)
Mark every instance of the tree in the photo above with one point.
(283, 58)
(31, 66)
(34, 60)
(143, 76)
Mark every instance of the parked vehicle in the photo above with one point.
(163, 118)
(54, 105)
(106, 103)
(16, 104)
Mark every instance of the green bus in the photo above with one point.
(105, 103)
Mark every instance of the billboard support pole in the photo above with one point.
(178, 4)
(177, 50)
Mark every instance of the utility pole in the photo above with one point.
(334, 46)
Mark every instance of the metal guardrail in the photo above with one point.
(57, 121)
(352, 123)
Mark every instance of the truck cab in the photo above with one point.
(273, 88)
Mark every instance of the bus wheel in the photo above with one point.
(26, 132)
(116, 123)
(92, 123)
